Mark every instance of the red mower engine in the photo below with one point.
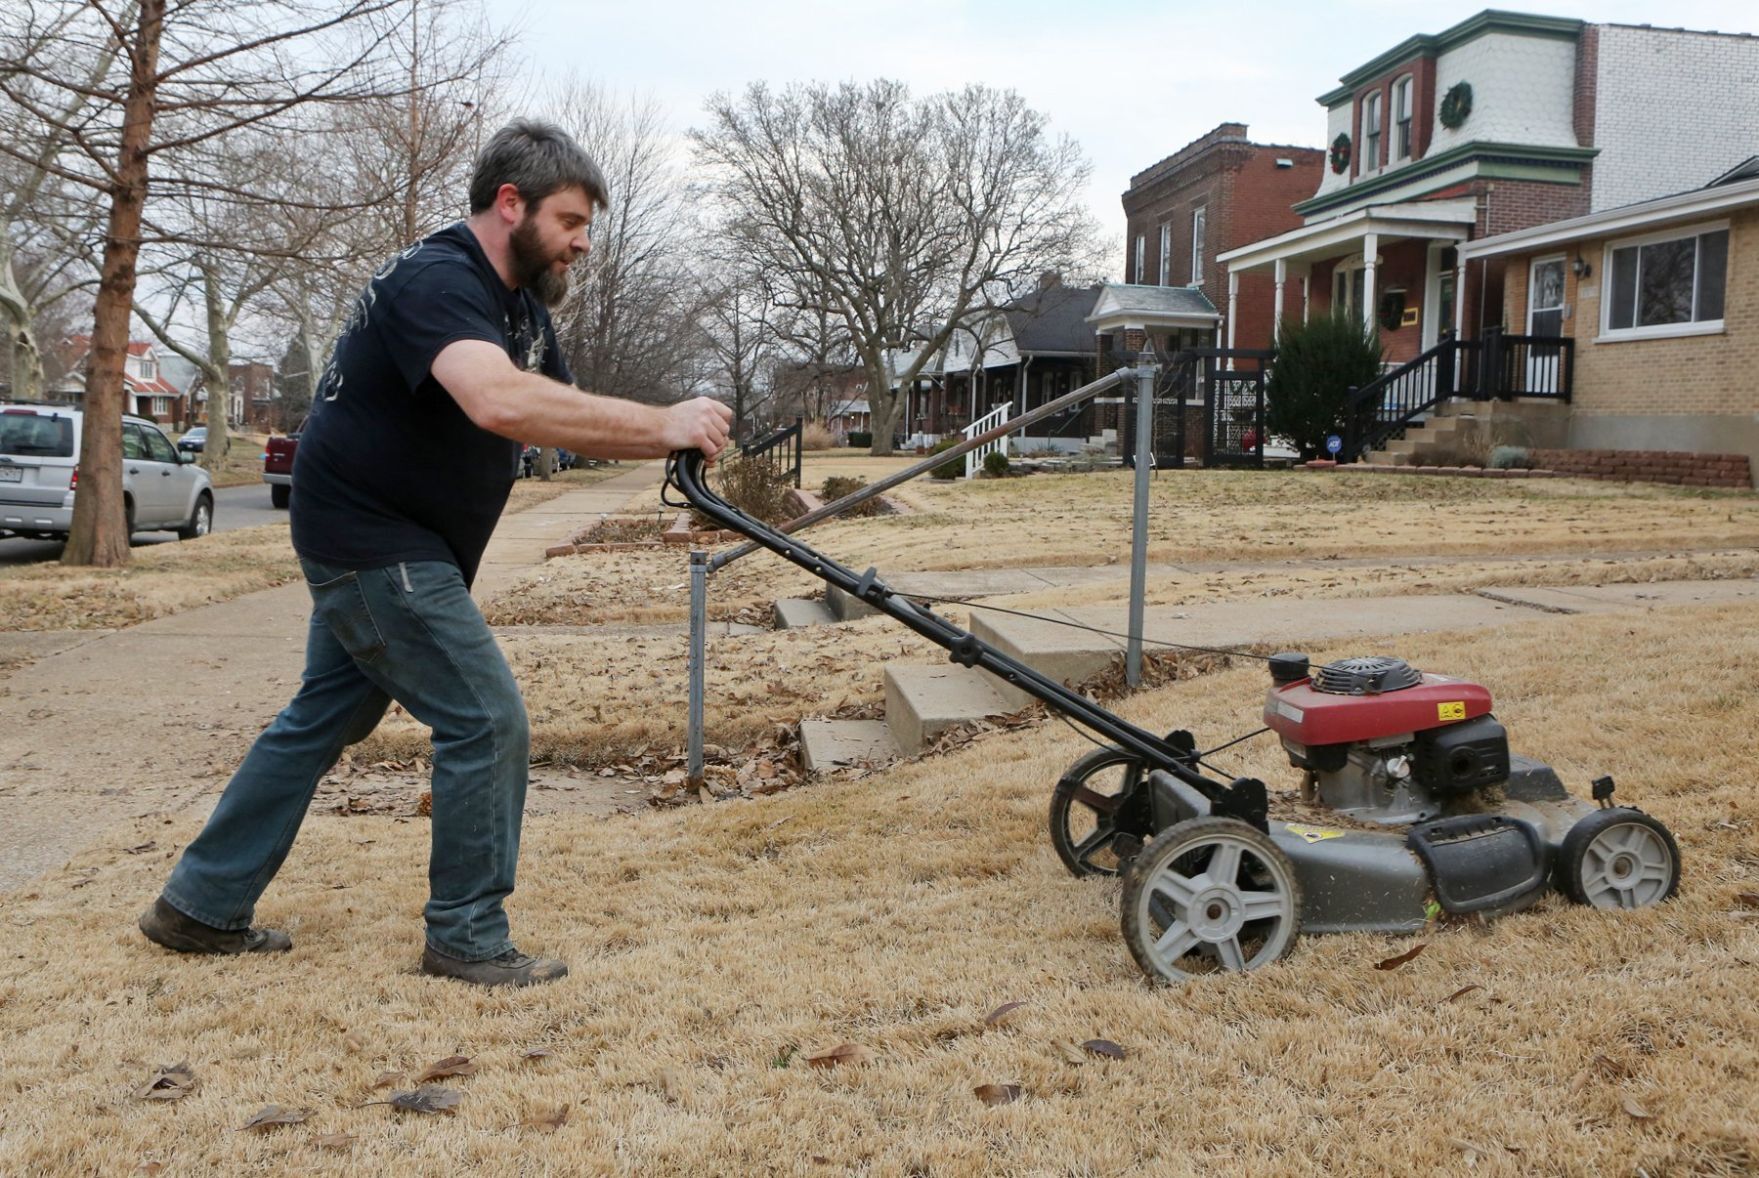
(1381, 741)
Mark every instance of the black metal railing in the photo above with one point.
(781, 448)
(1527, 366)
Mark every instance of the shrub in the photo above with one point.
(758, 488)
(838, 486)
(1317, 363)
(816, 435)
(1510, 458)
(953, 468)
(860, 439)
(995, 464)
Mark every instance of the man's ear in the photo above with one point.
(510, 204)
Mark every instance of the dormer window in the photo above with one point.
(1371, 132)
(1402, 119)
(147, 368)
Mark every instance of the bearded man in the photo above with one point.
(446, 366)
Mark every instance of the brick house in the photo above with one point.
(1218, 192)
(1662, 300)
(145, 390)
(1500, 123)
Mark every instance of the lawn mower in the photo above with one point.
(1412, 805)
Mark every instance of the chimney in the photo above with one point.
(1049, 279)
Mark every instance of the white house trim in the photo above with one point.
(1447, 219)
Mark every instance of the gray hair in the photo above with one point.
(537, 158)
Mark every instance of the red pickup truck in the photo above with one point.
(278, 466)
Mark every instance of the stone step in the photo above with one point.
(791, 613)
(1063, 653)
(923, 702)
(846, 607)
(831, 744)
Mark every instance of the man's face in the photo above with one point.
(549, 238)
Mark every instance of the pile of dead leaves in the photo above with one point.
(767, 765)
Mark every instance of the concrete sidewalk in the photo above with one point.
(106, 726)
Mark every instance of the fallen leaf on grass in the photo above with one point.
(548, 1122)
(335, 1140)
(353, 1042)
(452, 1065)
(141, 849)
(272, 1115)
(1747, 899)
(1636, 1111)
(538, 1053)
(1462, 992)
(150, 1168)
(1070, 1050)
(993, 1094)
(1103, 1047)
(386, 1079)
(172, 1083)
(1000, 1013)
(1394, 962)
(842, 1053)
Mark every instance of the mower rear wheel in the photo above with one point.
(1618, 858)
(1210, 895)
(1098, 816)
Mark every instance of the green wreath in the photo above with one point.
(1456, 105)
(1340, 153)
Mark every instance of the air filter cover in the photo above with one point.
(1367, 675)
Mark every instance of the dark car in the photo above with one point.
(194, 440)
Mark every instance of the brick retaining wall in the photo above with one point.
(1649, 466)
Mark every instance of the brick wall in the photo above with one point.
(1673, 109)
(1649, 466)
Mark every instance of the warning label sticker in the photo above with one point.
(1451, 711)
(1312, 834)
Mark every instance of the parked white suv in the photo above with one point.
(39, 470)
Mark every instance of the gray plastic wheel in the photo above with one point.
(1096, 823)
(1619, 858)
(1210, 895)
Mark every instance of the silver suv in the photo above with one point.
(39, 470)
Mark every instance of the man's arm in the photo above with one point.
(528, 407)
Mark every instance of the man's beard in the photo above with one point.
(532, 268)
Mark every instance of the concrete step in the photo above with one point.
(846, 607)
(791, 613)
(831, 744)
(1063, 653)
(923, 702)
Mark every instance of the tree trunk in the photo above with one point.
(884, 407)
(219, 369)
(26, 361)
(99, 535)
(544, 465)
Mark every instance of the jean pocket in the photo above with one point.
(340, 604)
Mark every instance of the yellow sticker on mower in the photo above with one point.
(1451, 711)
(1312, 834)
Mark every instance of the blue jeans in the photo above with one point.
(408, 632)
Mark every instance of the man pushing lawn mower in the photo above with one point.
(447, 364)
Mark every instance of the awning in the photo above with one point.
(1437, 220)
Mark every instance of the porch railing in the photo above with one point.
(781, 448)
(1527, 366)
(989, 421)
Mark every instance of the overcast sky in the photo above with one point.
(1131, 81)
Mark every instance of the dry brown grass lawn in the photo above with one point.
(716, 947)
(160, 579)
(1212, 516)
(243, 464)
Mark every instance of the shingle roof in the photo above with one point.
(1053, 319)
(1155, 301)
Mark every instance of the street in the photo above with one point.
(234, 507)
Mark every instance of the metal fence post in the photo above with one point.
(1146, 371)
(698, 629)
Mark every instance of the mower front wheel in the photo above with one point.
(1210, 895)
(1618, 858)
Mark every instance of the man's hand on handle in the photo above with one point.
(699, 424)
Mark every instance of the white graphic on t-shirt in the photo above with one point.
(330, 384)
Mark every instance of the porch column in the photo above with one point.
(1370, 249)
(1233, 298)
(1276, 306)
(1460, 295)
(1306, 292)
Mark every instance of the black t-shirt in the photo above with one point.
(389, 468)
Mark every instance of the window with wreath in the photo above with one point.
(1666, 282)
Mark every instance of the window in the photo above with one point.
(1141, 257)
(1371, 132)
(1197, 244)
(1665, 284)
(1166, 253)
(1402, 118)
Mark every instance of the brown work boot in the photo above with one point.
(165, 925)
(511, 968)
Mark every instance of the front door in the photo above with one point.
(1545, 319)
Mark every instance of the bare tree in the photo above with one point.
(739, 320)
(188, 73)
(901, 218)
(629, 327)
